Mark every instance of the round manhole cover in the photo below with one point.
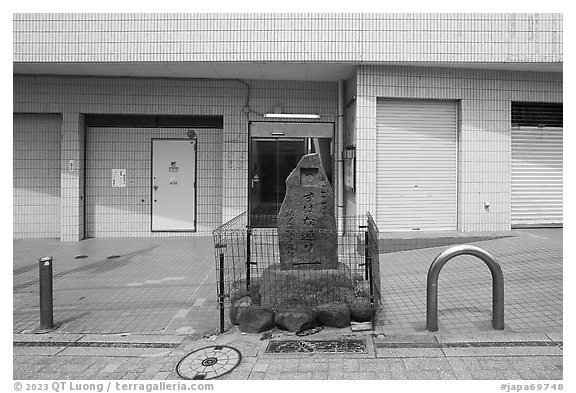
(209, 362)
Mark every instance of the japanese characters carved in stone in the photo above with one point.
(306, 225)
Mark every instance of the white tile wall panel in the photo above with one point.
(36, 175)
(287, 37)
(72, 179)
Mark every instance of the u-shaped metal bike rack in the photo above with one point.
(432, 284)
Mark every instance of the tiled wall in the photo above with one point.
(484, 98)
(351, 37)
(36, 175)
(126, 211)
(74, 96)
(484, 139)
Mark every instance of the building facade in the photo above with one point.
(136, 125)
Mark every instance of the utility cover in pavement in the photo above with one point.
(317, 346)
(209, 362)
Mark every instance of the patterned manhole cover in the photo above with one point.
(209, 362)
(318, 346)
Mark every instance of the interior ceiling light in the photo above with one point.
(292, 115)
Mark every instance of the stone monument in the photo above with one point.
(306, 225)
(309, 285)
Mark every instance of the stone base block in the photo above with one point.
(305, 287)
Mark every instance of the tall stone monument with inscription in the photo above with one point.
(306, 225)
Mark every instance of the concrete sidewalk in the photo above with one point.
(512, 356)
(162, 292)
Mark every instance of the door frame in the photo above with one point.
(195, 187)
(282, 132)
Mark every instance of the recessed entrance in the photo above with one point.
(275, 149)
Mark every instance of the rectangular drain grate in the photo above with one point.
(317, 346)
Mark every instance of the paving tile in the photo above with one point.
(426, 374)
(257, 375)
(38, 351)
(553, 374)
(162, 375)
(427, 364)
(301, 376)
(409, 352)
(495, 374)
(362, 375)
(305, 365)
(260, 367)
(339, 375)
(555, 336)
(397, 369)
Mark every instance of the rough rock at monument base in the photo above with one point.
(304, 287)
(292, 318)
(255, 319)
(335, 314)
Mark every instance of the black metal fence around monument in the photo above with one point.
(248, 259)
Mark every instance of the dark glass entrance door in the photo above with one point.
(271, 161)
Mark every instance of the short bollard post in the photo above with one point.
(46, 296)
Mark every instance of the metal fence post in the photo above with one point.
(46, 296)
(366, 254)
(221, 291)
(248, 256)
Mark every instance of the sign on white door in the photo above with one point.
(173, 185)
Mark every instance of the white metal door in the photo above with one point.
(173, 185)
(537, 176)
(416, 165)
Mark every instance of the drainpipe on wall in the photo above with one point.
(340, 159)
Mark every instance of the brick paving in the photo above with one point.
(162, 290)
(155, 286)
(532, 268)
(524, 360)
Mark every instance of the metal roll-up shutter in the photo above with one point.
(536, 176)
(416, 165)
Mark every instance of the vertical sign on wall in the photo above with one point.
(350, 167)
(118, 177)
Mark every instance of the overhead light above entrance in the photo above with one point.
(292, 115)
